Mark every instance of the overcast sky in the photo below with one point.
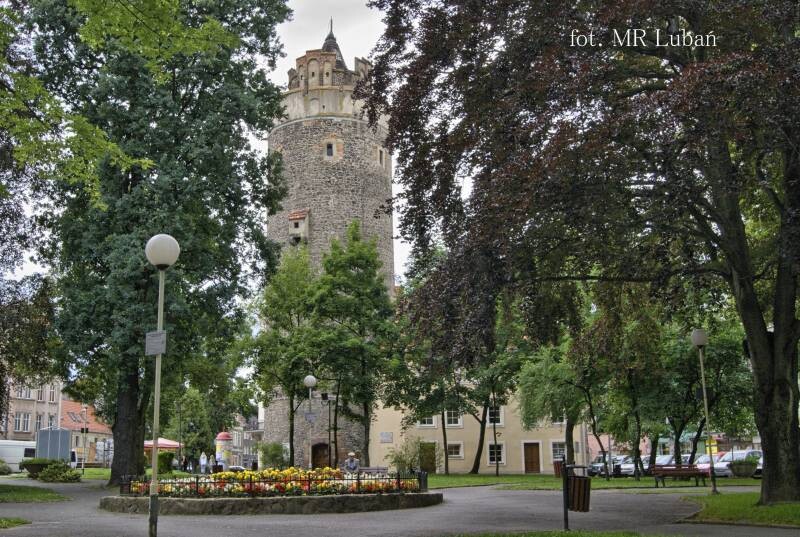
(357, 29)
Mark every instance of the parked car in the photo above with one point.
(628, 467)
(759, 468)
(722, 467)
(597, 467)
(703, 462)
(236, 468)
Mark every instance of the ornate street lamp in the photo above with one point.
(162, 251)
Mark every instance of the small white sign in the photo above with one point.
(387, 438)
(155, 343)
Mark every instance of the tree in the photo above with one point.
(636, 163)
(193, 426)
(354, 314)
(281, 353)
(207, 187)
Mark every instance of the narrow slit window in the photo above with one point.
(329, 150)
(380, 156)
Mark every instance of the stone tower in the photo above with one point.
(337, 170)
(336, 166)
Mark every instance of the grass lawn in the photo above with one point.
(105, 473)
(741, 508)
(574, 533)
(23, 494)
(11, 522)
(548, 482)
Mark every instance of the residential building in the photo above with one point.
(31, 407)
(75, 416)
(517, 451)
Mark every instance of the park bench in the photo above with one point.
(659, 472)
(371, 470)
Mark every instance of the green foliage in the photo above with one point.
(745, 508)
(35, 466)
(208, 187)
(193, 424)
(12, 522)
(547, 390)
(165, 459)
(59, 472)
(5, 469)
(273, 455)
(408, 456)
(36, 460)
(27, 494)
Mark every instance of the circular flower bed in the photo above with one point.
(274, 482)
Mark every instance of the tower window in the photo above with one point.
(380, 156)
(313, 74)
(329, 150)
(297, 225)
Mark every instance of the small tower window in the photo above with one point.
(313, 74)
(297, 225)
(380, 156)
(329, 150)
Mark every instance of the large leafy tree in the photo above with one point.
(648, 160)
(207, 187)
(356, 334)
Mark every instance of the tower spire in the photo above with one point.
(331, 32)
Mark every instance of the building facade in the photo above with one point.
(90, 437)
(337, 170)
(31, 408)
(517, 451)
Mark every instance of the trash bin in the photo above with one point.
(557, 468)
(580, 488)
(254, 466)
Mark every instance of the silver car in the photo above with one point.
(722, 467)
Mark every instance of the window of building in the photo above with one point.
(426, 422)
(52, 393)
(296, 225)
(380, 156)
(40, 393)
(28, 393)
(17, 421)
(329, 150)
(313, 74)
(38, 425)
(77, 440)
(26, 422)
(453, 418)
(51, 420)
(559, 450)
(497, 453)
(18, 392)
(455, 450)
(495, 415)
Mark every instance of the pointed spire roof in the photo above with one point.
(330, 45)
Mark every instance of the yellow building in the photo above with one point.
(518, 450)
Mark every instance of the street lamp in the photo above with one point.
(700, 340)
(162, 251)
(84, 411)
(309, 382)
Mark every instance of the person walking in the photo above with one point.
(203, 462)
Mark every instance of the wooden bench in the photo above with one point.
(371, 470)
(659, 472)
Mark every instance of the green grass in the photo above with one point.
(11, 522)
(105, 473)
(574, 533)
(23, 494)
(548, 482)
(742, 508)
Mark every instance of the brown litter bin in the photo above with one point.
(579, 493)
(557, 468)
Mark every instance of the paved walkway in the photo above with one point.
(465, 510)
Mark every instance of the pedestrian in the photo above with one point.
(351, 464)
(203, 462)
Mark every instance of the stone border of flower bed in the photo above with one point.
(279, 505)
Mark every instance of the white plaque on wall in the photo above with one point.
(387, 438)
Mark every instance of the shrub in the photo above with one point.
(165, 461)
(4, 468)
(59, 472)
(36, 465)
(273, 455)
(408, 457)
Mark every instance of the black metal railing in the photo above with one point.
(200, 486)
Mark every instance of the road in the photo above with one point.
(465, 510)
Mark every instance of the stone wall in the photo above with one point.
(311, 427)
(297, 505)
(351, 184)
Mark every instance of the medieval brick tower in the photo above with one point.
(335, 164)
(337, 170)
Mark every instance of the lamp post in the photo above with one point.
(700, 340)
(84, 411)
(162, 251)
(309, 382)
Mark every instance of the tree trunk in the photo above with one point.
(367, 424)
(444, 441)
(476, 463)
(292, 462)
(569, 440)
(696, 440)
(653, 450)
(128, 452)
(677, 431)
(336, 428)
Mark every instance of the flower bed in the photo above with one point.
(272, 482)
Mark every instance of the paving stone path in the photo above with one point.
(465, 510)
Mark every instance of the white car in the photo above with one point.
(722, 467)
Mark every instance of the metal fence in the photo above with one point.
(207, 487)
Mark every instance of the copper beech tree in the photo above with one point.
(625, 159)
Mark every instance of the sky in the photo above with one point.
(357, 29)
